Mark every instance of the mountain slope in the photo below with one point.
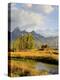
(39, 39)
(52, 41)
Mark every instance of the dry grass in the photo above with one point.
(19, 68)
(26, 68)
(45, 53)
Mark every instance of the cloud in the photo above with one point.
(32, 18)
(29, 5)
(25, 20)
(13, 6)
(47, 31)
(44, 9)
(47, 9)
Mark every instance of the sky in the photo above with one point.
(43, 19)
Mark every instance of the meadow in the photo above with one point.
(23, 63)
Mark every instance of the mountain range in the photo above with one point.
(39, 39)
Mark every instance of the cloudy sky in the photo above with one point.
(42, 19)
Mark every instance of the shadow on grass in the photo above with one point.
(48, 60)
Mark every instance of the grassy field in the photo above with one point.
(24, 68)
(22, 63)
(34, 54)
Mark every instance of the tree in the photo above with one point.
(24, 42)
